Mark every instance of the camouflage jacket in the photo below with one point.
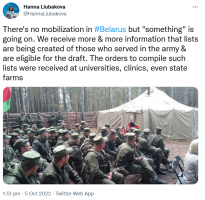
(18, 157)
(20, 121)
(52, 118)
(14, 174)
(8, 154)
(59, 118)
(53, 175)
(60, 141)
(110, 146)
(52, 142)
(87, 144)
(98, 165)
(39, 120)
(82, 138)
(76, 157)
(156, 141)
(126, 155)
(41, 146)
(29, 120)
(145, 146)
(119, 140)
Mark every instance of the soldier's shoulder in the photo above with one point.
(8, 179)
(106, 139)
(49, 171)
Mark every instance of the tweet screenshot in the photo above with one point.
(102, 92)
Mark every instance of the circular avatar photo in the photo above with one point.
(11, 10)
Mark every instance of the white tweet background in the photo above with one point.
(82, 13)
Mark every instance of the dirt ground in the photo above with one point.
(177, 148)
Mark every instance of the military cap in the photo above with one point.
(39, 112)
(59, 111)
(5, 136)
(17, 130)
(32, 131)
(61, 151)
(158, 130)
(58, 124)
(92, 135)
(130, 136)
(64, 132)
(31, 158)
(105, 129)
(137, 131)
(42, 130)
(98, 139)
(20, 143)
(75, 136)
(34, 125)
(112, 132)
(23, 111)
(83, 123)
(146, 131)
(14, 135)
(25, 125)
(53, 130)
(52, 127)
(77, 125)
(132, 129)
(86, 130)
(107, 125)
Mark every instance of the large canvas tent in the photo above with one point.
(177, 121)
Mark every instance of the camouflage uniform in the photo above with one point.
(98, 167)
(60, 141)
(87, 144)
(76, 158)
(20, 121)
(18, 157)
(41, 146)
(126, 158)
(52, 142)
(39, 121)
(8, 154)
(119, 140)
(29, 121)
(53, 175)
(52, 120)
(157, 141)
(110, 147)
(59, 118)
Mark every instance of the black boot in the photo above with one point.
(156, 180)
(170, 161)
(159, 171)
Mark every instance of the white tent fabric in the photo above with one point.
(177, 121)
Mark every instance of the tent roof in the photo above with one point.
(157, 100)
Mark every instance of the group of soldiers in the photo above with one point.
(56, 155)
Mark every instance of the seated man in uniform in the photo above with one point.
(8, 152)
(98, 167)
(88, 143)
(120, 137)
(110, 143)
(59, 171)
(152, 151)
(86, 133)
(77, 128)
(52, 139)
(104, 131)
(157, 141)
(126, 158)
(83, 125)
(65, 135)
(14, 137)
(21, 173)
(76, 157)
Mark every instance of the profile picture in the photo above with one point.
(11, 10)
